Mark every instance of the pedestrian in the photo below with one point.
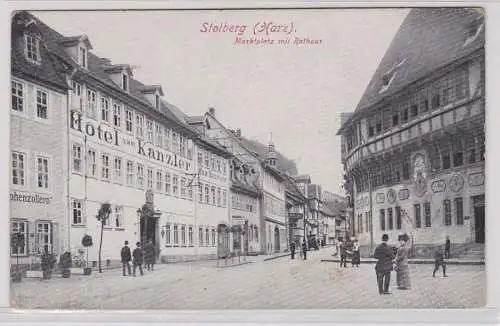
(126, 258)
(304, 249)
(402, 269)
(447, 248)
(439, 261)
(292, 249)
(385, 256)
(356, 258)
(138, 258)
(149, 255)
(343, 254)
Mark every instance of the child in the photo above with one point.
(439, 261)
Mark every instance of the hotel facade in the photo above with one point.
(414, 148)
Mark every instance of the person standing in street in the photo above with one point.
(356, 257)
(126, 258)
(343, 254)
(402, 269)
(304, 249)
(292, 249)
(447, 248)
(385, 256)
(138, 258)
(439, 261)
(149, 255)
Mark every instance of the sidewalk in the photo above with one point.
(454, 261)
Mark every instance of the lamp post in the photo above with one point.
(139, 217)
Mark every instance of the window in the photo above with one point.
(125, 82)
(183, 235)
(447, 212)
(150, 178)
(418, 217)
(130, 173)
(435, 98)
(82, 57)
(41, 104)
(159, 181)
(168, 240)
(129, 125)
(200, 236)
(404, 113)
(176, 235)
(105, 166)
(183, 188)
(406, 169)
(157, 101)
(367, 221)
(91, 163)
(207, 195)
(175, 185)
(118, 169)
(200, 193)
(42, 164)
(117, 115)
(424, 100)
(395, 120)
(427, 213)
(105, 109)
(390, 221)
(91, 104)
(207, 237)
(212, 162)
(224, 198)
(360, 223)
(168, 183)
(213, 238)
(398, 217)
(149, 130)
(458, 153)
(459, 211)
(175, 142)
(159, 135)
(166, 139)
(18, 169)
(140, 175)
(77, 215)
(189, 149)
(43, 237)
(17, 96)
(214, 202)
(219, 195)
(207, 155)
(32, 49)
(139, 122)
(77, 158)
(183, 143)
(21, 228)
(382, 219)
(190, 235)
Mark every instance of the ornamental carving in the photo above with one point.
(476, 179)
(380, 198)
(419, 173)
(391, 196)
(403, 194)
(456, 183)
(438, 186)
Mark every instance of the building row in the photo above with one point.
(85, 132)
(414, 149)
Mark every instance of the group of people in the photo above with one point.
(303, 251)
(138, 257)
(350, 248)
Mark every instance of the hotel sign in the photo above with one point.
(29, 198)
(113, 137)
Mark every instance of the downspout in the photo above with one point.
(69, 168)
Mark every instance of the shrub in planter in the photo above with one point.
(65, 264)
(48, 262)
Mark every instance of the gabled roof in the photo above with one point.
(74, 40)
(303, 178)
(427, 40)
(292, 188)
(118, 68)
(149, 89)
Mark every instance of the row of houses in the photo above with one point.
(85, 132)
(414, 148)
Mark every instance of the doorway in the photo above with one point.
(479, 218)
(276, 239)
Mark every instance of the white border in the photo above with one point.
(475, 316)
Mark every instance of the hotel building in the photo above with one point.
(414, 148)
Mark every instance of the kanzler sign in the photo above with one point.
(113, 137)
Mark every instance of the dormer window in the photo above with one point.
(157, 101)
(82, 57)
(32, 49)
(125, 82)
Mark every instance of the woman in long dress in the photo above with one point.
(402, 269)
(355, 254)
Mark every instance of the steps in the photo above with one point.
(475, 252)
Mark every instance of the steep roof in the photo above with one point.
(428, 39)
(260, 149)
(291, 188)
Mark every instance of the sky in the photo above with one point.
(296, 92)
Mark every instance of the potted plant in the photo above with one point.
(65, 264)
(48, 262)
(87, 242)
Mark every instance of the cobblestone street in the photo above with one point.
(277, 284)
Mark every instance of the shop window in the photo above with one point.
(459, 211)
(418, 217)
(427, 213)
(390, 219)
(447, 212)
(382, 220)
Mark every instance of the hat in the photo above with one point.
(404, 237)
(385, 237)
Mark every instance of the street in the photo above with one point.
(276, 284)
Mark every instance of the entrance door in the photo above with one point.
(276, 239)
(148, 230)
(479, 218)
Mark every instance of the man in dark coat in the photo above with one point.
(138, 258)
(304, 249)
(126, 258)
(149, 255)
(439, 261)
(292, 249)
(343, 253)
(447, 248)
(385, 255)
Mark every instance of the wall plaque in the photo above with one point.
(419, 176)
(403, 194)
(391, 196)
(456, 183)
(438, 186)
(476, 179)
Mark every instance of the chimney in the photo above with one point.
(211, 111)
(238, 132)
